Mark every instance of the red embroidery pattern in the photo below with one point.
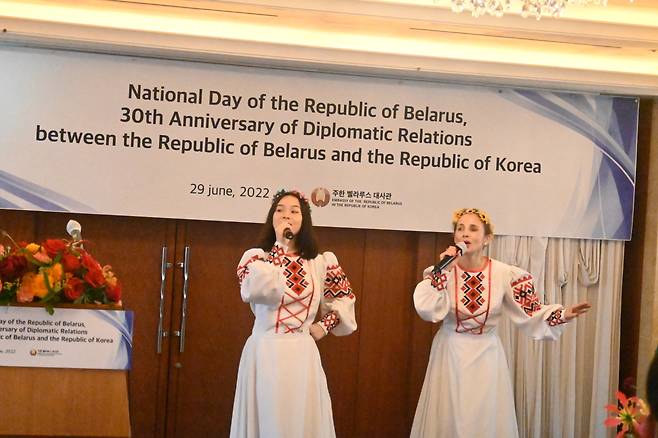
(243, 270)
(293, 311)
(438, 280)
(472, 288)
(524, 295)
(276, 255)
(555, 318)
(295, 274)
(473, 323)
(295, 307)
(330, 321)
(336, 284)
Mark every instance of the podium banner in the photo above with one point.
(70, 338)
(116, 135)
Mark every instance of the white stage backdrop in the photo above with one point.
(141, 137)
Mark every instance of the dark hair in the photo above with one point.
(305, 240)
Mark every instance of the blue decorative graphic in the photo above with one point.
(610, 123)
(18, 193)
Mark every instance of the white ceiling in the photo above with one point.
(610, 49)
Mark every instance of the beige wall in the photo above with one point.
(642, 280)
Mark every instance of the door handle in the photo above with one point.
(185, 265)
(164, 265)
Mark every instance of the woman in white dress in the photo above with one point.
(467, 391)
(281, 390)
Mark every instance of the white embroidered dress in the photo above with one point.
(467, 392)
(281, 390)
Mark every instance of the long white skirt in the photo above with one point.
(281, 390)
(467, 392)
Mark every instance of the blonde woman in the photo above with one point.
(467, 390)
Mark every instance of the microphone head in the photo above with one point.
(461, 246)
(74, 228)
(287, 233)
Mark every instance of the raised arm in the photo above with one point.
(539, 321)
(261, 276)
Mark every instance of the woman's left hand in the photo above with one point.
(576, 310)
(316, 332)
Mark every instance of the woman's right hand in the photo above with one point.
(278, 231)
(451, 251)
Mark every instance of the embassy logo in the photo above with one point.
(320, 197)
(39, 352)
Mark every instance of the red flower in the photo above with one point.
(88, 262)
(13, 267)
(113, 292)
(70, 262)
(95, 277)
(74, 288)
(54, 246)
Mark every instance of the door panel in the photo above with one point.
(384, 361)
(340, 354)
(203, 378)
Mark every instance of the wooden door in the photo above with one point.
(203, 376)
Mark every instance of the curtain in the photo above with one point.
(561, 387)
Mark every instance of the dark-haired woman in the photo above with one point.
(282, 389)
(467, 391)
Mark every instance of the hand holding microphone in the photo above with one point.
(283, 231)
(449, 258)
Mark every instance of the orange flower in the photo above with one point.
(32, 247)
(55, 273)
(39, 285)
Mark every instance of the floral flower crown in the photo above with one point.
(484, 217)
(278, 195)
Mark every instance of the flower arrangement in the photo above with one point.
(57, 270)
(629, 416)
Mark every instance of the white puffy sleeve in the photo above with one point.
(261, 276)
(537, 321)
(431, 295)
(337, 302)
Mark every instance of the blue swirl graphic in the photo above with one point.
(34, 197)
(610, 124)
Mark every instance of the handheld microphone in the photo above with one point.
(75, 230)
(287, 233)
(445, 261)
